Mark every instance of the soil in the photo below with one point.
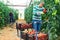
(9, 33)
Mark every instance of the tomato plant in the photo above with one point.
(28, 13)
(4, 14)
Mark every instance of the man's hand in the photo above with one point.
(45, 10)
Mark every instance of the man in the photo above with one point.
(11, 17)
(37, 19)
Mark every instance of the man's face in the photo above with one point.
(41, 4)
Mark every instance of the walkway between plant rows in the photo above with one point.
(8, 33)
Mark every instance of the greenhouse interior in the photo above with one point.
(29, 19)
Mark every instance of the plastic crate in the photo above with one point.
(31, 36)
(24, 35)
(42, 36)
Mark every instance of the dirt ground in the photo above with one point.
(9, 33)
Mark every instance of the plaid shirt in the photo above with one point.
(37, 11)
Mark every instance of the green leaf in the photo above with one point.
(56, 1)
(54, 12)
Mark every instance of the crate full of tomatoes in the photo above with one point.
(30, 35)
(23, 26)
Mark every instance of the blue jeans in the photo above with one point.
(11, 19)
(37, 24)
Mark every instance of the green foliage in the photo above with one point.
(56, 1)
(58, 18)
(28, 13)
(4, 14)
(52, 25)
